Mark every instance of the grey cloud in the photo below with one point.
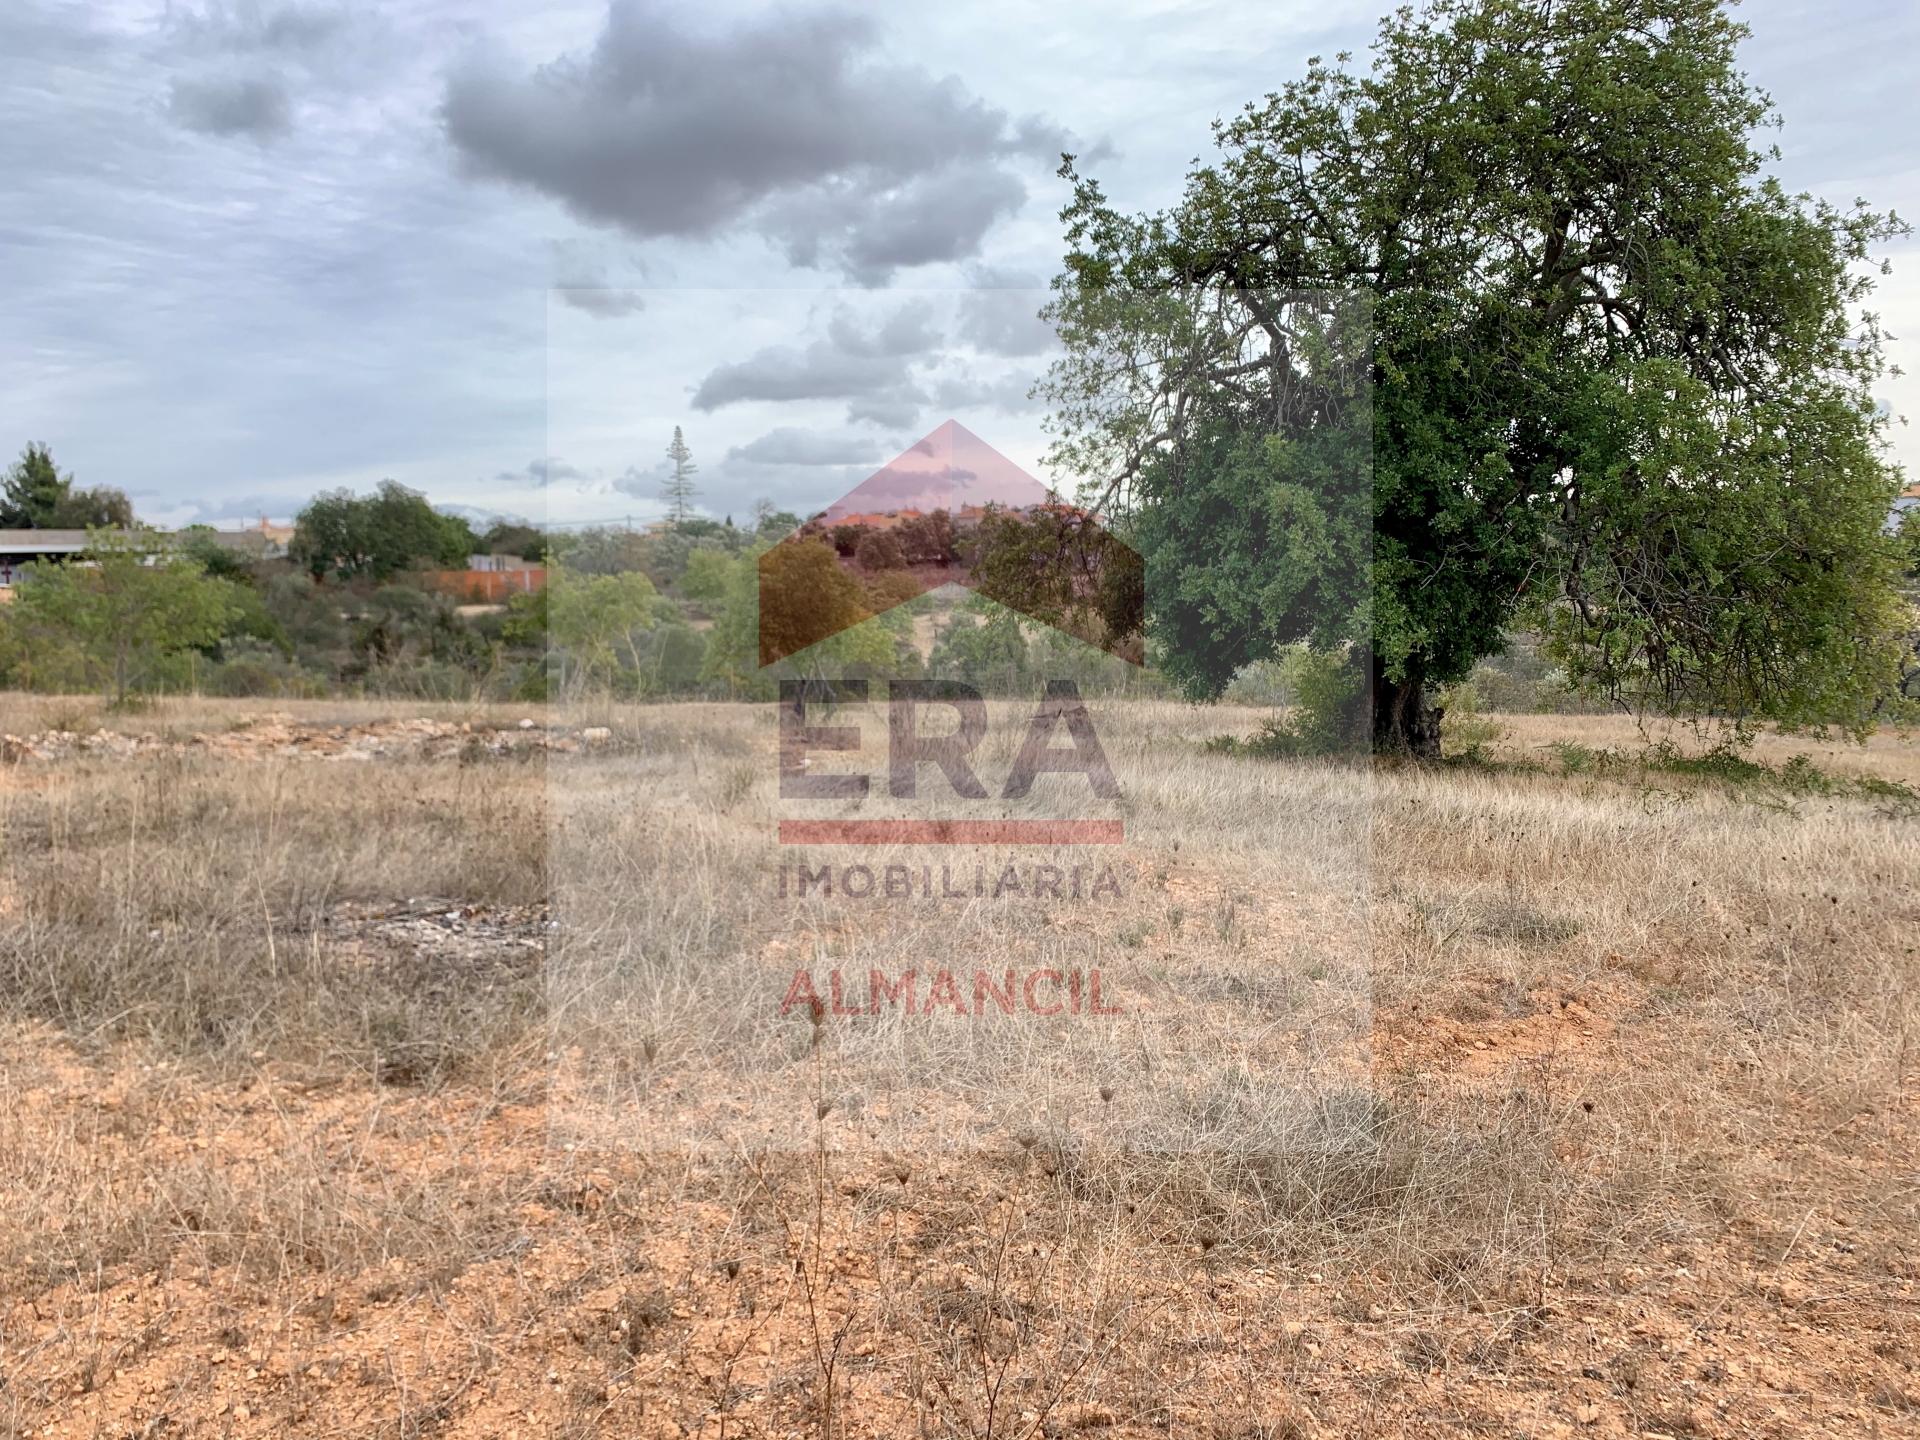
(542, 471)
(583, 276)
(256, 106)
(733, 485)
(941, 216)
(907, 331)
(642, 484)
(1002, 316)
(1007, 394)
(235, 510)
(870, 366)
(479, 516)
(888, 412)
(788, 446)
(791, 126)
(784, 373)
(241, 67)
(601, 301)
(248, 26)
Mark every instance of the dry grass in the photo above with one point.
(1483, 1100)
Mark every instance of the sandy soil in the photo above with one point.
(1646, 1167)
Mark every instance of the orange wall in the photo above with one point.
(487, 586)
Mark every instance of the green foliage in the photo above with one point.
(1063, 567)
(601, 551)
(891, 588)
(1619, 383)
(197, 542)
(670, 659)
(399, 636)
(708, 574)
(262, 671)
(984, 645)
(100, 507)
(250, 624)
(526, 622)
(771, 525)
(929, 539)
(804, 597)
(1523, 680)
(879, 550)
(374, 537)
(816, 621)
(36, 496)
(732, 659)
(308, 616)
(1773, 787)
(1904, 699)
(1467, 733)
(699, 527)
(33, 489)
(1255, 542)
(120, 621)
(598, 627)
(1326, 714)
(511, 537)
(678, 489)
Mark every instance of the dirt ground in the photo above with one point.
(372, 1072)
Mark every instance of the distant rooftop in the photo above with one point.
(42, 541)
(71, 542)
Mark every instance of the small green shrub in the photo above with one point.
(1327, 714)
(1465, 732)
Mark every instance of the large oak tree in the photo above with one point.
(1511, 327)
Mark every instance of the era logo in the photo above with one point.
(908, 749)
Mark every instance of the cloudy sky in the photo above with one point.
(497, 251)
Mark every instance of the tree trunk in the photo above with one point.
(1403, 722)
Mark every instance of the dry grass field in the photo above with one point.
(377, 1072)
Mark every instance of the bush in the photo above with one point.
(1465, 732)
(878, 551)
(1329, 710)
(261, 671)
(891, 588)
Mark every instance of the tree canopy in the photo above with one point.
(36, 496)
(372, 537)
(119, 620)
(1511, 328)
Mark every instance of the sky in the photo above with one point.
(497, 251)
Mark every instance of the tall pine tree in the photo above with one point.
(678, 490)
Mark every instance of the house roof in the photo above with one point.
(72, 542)
(42, 542)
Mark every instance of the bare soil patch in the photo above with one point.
(283, 1139)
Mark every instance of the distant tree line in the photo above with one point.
(351, 608)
